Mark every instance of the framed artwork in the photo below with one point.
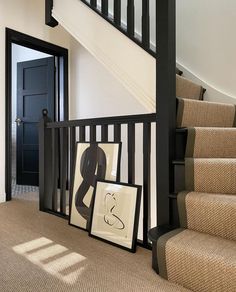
(93, 161)
(115, 213)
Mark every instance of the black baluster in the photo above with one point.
(117, 133)
(117, 12)
(104, 133)
(82, 134)
(130, 18)
(93, 3)
(145, 24)
(55, 168)
(92, 133)
(105, 7)
(63, 168)
(131, 153)
(72, 159)
(146, 180)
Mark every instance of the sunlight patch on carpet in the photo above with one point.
(53, 258)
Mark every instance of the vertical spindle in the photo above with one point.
(63, 169)
(82, 133)
(104, 133)
(93, 3)
(130, 18)
(145, 24)
(117, 12)
(146, 180)
(131, 153)
(92, 133)
(55, 169)
(104, 7)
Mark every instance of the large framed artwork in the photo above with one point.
(93, 161)
(115, 213)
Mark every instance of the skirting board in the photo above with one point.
(2, 198)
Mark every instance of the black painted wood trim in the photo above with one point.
(82, 133)
(105, 121)
(104, 7)
(117, 133)
(166, 106)
(130, 18)
(145, 24)
(104, 133)
(131, 153)
(13, 36)
(49, 19)
(63, 168)
(117, 12)
(92, 133)
(146, 180)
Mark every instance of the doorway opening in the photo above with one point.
(36, 78)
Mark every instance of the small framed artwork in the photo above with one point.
(115, 213)
(93, 161)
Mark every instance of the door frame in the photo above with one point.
(61, 54)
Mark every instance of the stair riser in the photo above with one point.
(179, 171)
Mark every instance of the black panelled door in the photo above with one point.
(35, 91)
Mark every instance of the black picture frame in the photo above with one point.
(73, 179)
(133, 245)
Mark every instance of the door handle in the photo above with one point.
(18, 121)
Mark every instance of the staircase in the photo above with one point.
(201, 254)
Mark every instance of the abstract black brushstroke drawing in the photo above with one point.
(92, 167)
(110, 217)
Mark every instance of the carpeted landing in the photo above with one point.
(41, 252)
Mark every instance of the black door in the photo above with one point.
(35, 91)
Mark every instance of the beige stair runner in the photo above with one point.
(201, 255)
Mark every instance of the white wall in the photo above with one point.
(26, 16)
(206, 44)
(19, 54)
(99, 94)
(94, 91)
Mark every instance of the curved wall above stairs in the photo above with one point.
(206, 45)
(123, 58)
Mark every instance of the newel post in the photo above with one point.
(45, 163)
(165, 105)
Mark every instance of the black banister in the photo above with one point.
(104, 121)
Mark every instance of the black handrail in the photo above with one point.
(142, 118)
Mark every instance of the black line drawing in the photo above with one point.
(110, 217)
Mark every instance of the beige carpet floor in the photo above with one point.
(41, 252)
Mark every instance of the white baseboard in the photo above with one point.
(2, 198)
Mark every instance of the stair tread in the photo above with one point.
(195, 113)
(211, 175)
(186, 88)
(209, 213)
(211, 142)
(198, 261)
